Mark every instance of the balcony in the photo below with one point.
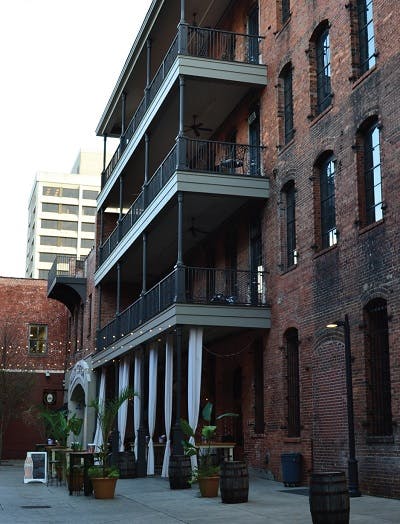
(217, 168)
(203, 52)
(218, 298)
(66, 281)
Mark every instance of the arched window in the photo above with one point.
(327, 209)
(379, 411)
(285, 102)
(293, 383)
(320, 69)
(369, 173)
(289, 226)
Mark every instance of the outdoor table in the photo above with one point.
(75, 458)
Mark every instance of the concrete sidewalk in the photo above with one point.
(150, 500)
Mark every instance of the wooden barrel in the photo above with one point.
(179, 472)
(234, 482)
(329, 498)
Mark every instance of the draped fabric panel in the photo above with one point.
(169, 375)
(98, 437)
(153, 357)
(123, 410)
(194, 379)
(136, 398)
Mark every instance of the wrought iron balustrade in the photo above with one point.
(215, 44)
(224, 157)
(66, 266)
(204, 286)
(198, 156)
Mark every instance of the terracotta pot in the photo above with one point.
(209, 486)
(104, 488)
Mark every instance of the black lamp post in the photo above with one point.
(354, 490)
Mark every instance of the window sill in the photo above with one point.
(384, 439)
(291, 440)
(361, 78)
(325, 251)
(289, 269)
(317, 118)
(283, 27)
(366, 229)
(282, 149)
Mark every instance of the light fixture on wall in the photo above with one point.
(47, 374)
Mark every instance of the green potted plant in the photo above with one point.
(59, 426)
(207, 472)
(103, 476)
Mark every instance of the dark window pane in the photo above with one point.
(293, 386)
(323, 72)
(379, 412)
(328, 213)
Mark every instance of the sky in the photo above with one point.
(60, 60)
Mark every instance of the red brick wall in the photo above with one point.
(363, 265)
(24, 302)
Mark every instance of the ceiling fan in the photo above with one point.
(197, 126)
(195, 230)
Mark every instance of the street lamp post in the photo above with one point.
(354, 490)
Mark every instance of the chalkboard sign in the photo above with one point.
(35, 467)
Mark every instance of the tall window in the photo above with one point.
(285, 6)
(379, 412)
(37, 339)
(366, 36)
(286, 102)
(293, 383)
(372, 175)
(290, 223)
(323, 70)
(327, 196)
(253, 31)
(259, 421)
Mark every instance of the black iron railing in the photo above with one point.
(199, 156)
(188, 285)
(193, 41)
(66, 266)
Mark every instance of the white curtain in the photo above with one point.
(123, 383)
(152, 405)
(136, 399)
(194, 379)
(169, 360)
(98, 438)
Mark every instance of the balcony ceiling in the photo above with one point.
(162, 31)
(210, 100)
(205, 212)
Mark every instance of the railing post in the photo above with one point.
(183, 38)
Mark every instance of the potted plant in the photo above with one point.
(207, 471)
(103, 476)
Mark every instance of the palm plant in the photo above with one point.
(206, 466)
(106, 413)
(59, 426)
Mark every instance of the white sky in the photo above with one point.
(59, 62)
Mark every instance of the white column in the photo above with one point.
(169, 363)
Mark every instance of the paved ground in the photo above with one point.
(150, 501)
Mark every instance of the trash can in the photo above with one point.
(291, 469)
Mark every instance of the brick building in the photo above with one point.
(33, 339)
(250, 203)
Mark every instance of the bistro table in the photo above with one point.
(225, 447)
(75, 458)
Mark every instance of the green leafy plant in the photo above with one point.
(59, 426)
(205, 467)
(106, 413)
